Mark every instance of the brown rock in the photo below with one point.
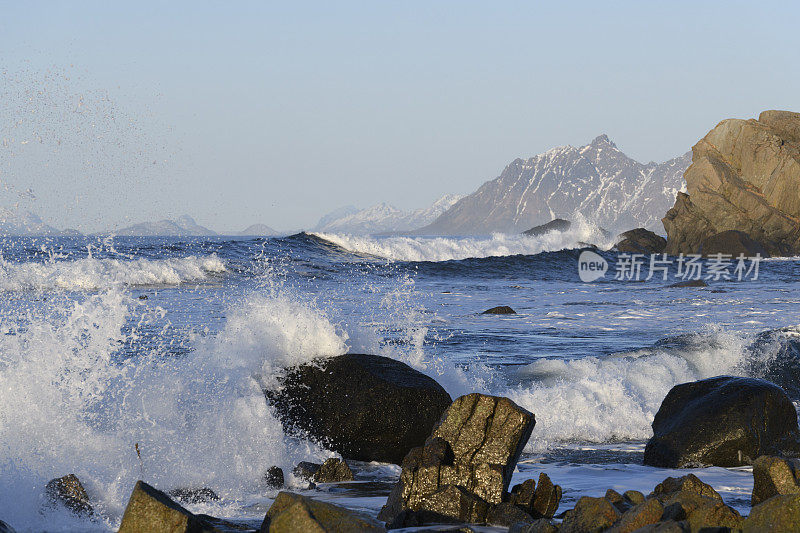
(590, 515)
(547, 498)
(773, 476)
(633, 496)
(507, 514)
(475, 448)
(292, 513)
(699, 511)
(733, 243)
(542, 525)
(688, 483)
(523, 494)
(641, 241)
(333, 471)
(69, 491)
(744, 176)
(779, 514)
(153, 511)
(639, 516)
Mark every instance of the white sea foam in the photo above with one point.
(602, 399)
(455, 248)
(93, 274)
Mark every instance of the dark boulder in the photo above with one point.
(5, 528)
(333, 471)
(366, 407)
(306, 470)
(722, 421)
(558, 224)
(69, 492)
(292, 513)
(689, 283)
(507, 514)
(733, 243)
(472, 454)
(773, 476)
(500, 310)
(641, 241)
(274, 478)
(194, 495)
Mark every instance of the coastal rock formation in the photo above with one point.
(779, 514)
(641, 241)
(557, 224)
(69, 492)
(733, 243)
(773, 476)
(745, 176)
(151, 510)
(465, 465)
(722, 421)
(365, 407)
(292, 512)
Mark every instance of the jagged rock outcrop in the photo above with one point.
(465, 466)
(366, 407)
(722, 421)
(745, 176)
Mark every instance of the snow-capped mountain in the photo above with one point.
(183, 226)
(257, 230)
(383, 218)
(14, 222)
(597, 181)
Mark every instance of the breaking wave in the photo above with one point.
(456, 248)
(94, 274)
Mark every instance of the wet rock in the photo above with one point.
(274, 478)
(153, 511)
(689, 283)
(69, 492)
(638, 516)
(194, 495)
(306, 470)
(590, 515)
(669, 526)
(523, 494)
(733, 243)
(333, 471)
(641, 241)
(365, 407)
(633, 496)
(448, 504)
(547, 498)
(474, 448)
(542, 525)
(5, 528)
(779, 514)
(688, 483)
(558, 224)
(293, 512)
(722, 421)
(500, 310)
(773, 476)
(507, 514)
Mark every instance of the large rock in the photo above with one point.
(641, 241)
(779, 514)
(744, 176)
(733, 243)
(365, 407)
(292, 513)
(773, 476)
(475, 448)
(722, 421)
(151, 510)
(558, 224)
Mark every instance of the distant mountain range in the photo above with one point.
(597, 181)
(383, 218)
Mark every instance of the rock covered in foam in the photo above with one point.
(366, 407)
(722, 421)
(293, 512)
(470, 455)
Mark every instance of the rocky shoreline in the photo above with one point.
(460, 475)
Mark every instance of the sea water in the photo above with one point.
(165, 345)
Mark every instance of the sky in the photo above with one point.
(278, 112)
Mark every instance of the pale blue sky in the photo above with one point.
(269, 112)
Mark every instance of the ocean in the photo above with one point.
(165, 344)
